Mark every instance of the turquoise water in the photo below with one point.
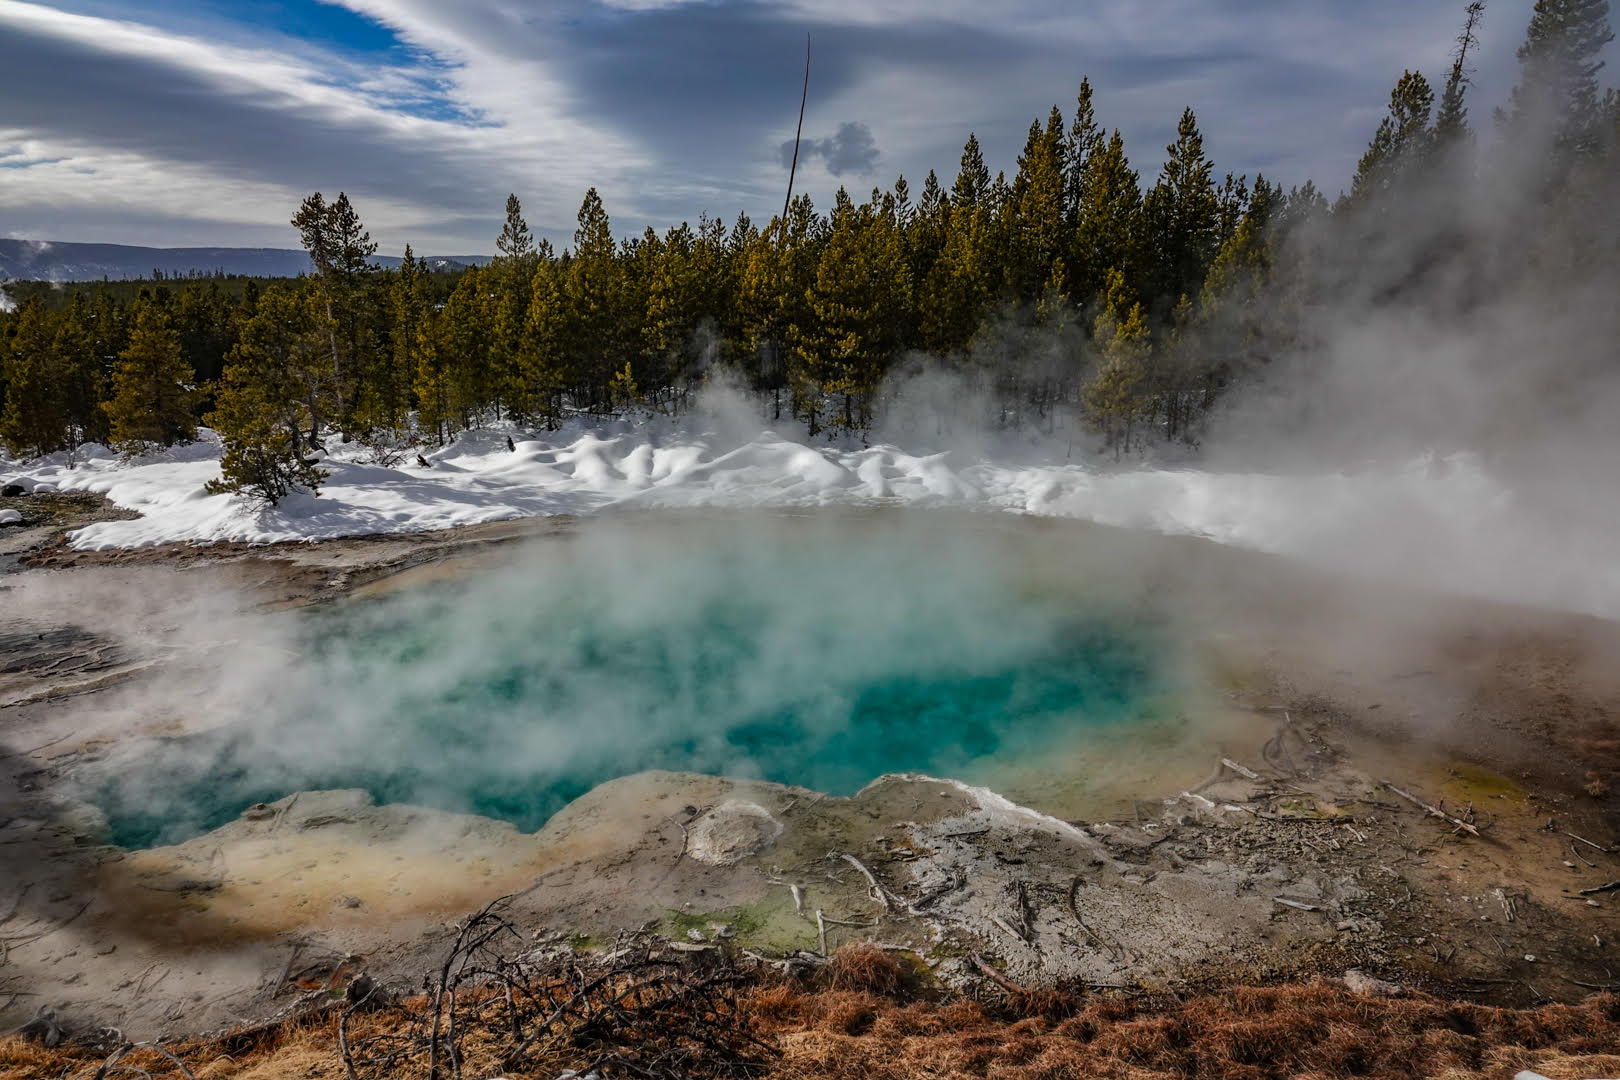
(798, 651)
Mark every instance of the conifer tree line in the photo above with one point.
(1077, 292)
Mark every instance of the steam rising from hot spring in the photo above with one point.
(821, 650)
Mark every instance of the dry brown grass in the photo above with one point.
(866, 1015)
(1316, 1030)
(865, 968)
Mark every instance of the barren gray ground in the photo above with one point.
(1159, 866)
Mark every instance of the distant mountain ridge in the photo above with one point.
(49, 260)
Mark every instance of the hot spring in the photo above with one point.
(821, 649)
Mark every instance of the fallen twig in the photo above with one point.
(1074, 909)
(1588, 843)
(1301, 905)
(686, 838)
(343, 1032)
(48, 745)
(995, 976)
(1242, 770)
(1610, 887)
(1431, 810)
(958, 879)
(117, 1055)
(876, 892)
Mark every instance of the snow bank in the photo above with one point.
(1437, 520)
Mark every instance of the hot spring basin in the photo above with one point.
(821, 650)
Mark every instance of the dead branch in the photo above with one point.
(1431, 810)
(1074, 909)
(876, 891)
(1299, 904)
(118, 1055)
(995, 976)
(686, 838)
(1588, 843)
(1242, 770)
(1008, 929)
(1610, 887)
(958, 879)
(821, 932)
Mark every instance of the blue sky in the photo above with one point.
(180, 122)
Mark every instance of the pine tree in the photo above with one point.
(1402, 143)
(385, 398)
(1116, 398)
(277, 384)
(516, 242)
(544, 366)
(853, 305)
(957, 293)
(973, 178)
(1036, 228)
(622, 390)
(1181, 218)
(35, 420)
(511, 286)
(152, 397)
(1451, 122)
(1107, 232)
(675, 269)
(206, 322)
(1080, 155)
(340, 249)
(1558, 67)
(412, 308)
(772, 293)
(84, 382)
(459, 359)
(595, 331)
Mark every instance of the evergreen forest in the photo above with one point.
(1083, 292)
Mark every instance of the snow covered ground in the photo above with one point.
(1443, 521)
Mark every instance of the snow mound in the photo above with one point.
(1440, 520)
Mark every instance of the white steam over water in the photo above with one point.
(1449, 522)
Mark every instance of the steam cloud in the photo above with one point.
(823, 651)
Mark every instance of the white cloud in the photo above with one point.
(524, 131)
(549, 99)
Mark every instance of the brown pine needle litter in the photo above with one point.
(864, 1013)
